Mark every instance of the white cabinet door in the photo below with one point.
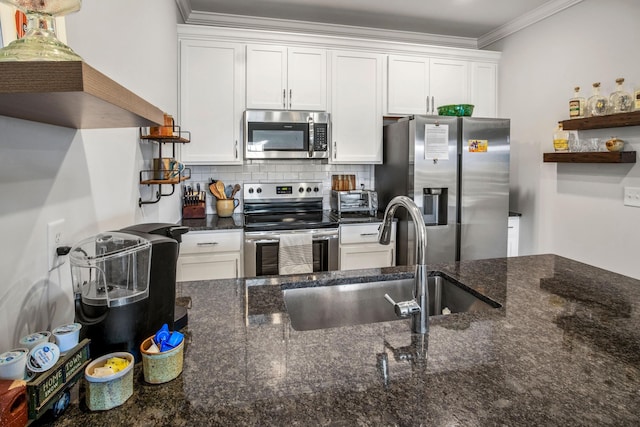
(286, 78)
(408, 85)
(359, 247)
(307, 79)
(418, 85)
(366, 256)
(356, 107)
(210, 255)
(211, 101)
(448, 82)
(513, 236)
(484, 89)
(266, 77)
(208, 266)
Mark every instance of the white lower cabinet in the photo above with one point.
(359, 247)
(208, 255)
(513, 236)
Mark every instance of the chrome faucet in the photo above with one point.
(418, 308)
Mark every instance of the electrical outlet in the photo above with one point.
(632, 196)
(55, 237)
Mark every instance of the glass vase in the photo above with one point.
(40, 42)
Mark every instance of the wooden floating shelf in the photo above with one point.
(592, 157)
(603, 122)
(167, 139)
(71, 94)
(165, 181)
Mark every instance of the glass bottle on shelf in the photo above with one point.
(560, 139)
(597, 104)
(620, 101)
(576, 105)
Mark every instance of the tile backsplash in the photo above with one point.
(273, 170)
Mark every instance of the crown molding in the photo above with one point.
(195, 17)
(536, 15)
(253, 36)
(185, 8)
(305, 27)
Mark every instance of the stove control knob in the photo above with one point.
(316, 189)
(308, 189)
(250, 190)
(301, 190)
(259, 190)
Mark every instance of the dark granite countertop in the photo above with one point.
(563, 350)
(214, 222)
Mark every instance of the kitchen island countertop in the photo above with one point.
(564, 349)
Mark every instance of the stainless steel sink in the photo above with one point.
(321, 307)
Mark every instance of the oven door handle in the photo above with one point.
(275, 239)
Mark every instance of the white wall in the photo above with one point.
(573, 210)
(89, 177)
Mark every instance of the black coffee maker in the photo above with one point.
(125, 285)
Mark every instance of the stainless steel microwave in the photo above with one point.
(286, 134)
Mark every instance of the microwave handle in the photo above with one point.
(311, 136)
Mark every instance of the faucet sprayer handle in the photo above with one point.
(403, 308)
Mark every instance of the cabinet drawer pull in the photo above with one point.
(207, 243)
(369, 234)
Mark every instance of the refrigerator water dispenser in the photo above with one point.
(434, 206)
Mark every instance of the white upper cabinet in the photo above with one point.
(286, 78)
(484, 89)
(408, 85)
(418, 85)
(356, 107)
(449, 82)
(211, 99)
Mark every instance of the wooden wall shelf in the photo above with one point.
(71, 94)
(592, 157)
(603, 122)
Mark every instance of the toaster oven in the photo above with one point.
(354, 201)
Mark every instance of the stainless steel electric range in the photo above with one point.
(272, 209)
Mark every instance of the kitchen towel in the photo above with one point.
(295, 253)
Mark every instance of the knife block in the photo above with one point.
(197, 211)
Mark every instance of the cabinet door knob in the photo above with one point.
(290, 97)
(284, 98)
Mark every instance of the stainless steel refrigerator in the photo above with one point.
(456, 169)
